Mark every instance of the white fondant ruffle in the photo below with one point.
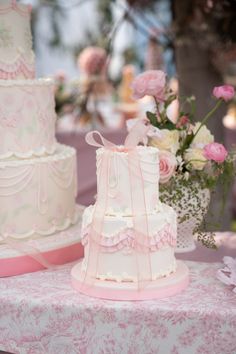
(126, 239)
(20, 67)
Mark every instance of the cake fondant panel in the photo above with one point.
(37, 196)
(122, 266)
(119, 191)
(16, 55)
(27, 118)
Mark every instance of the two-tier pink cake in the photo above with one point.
(129, 235)
(37, 175)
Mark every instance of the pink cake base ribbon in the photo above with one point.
(28, 250)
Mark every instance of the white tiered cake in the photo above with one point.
(38, 181)
(118, 261)
(118, 254)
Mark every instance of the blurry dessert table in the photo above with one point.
(86, 155)
(41, 313)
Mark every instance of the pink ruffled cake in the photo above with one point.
(117, 260)
(129, 236)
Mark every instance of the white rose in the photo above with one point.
(195, 158)
(168, 141)
(203, 136)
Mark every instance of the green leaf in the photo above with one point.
(187, 142)
(152, 118)
(168, 125)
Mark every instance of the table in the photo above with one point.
(41, 314)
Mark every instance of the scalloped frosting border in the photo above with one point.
(62, 152)
(126, 239)
(55, 228)
(31, 153)
(21, 65)
(109, 276)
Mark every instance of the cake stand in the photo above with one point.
(127, 291)
(60, 248)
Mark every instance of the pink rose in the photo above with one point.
(92, 60)
(150, 83)
(215, 152)
(167, 166)
(226, 92)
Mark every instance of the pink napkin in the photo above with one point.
(227, 275)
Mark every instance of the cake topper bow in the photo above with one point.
(137, 134)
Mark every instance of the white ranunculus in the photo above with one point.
(195, 158)
(202, 138)
(168, 141)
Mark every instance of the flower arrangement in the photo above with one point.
(79, 98)
(189, 156)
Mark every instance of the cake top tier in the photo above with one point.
(27, 118)
(127, 178)
(16, 54)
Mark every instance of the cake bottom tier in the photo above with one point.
(118, 257)
(37, 195)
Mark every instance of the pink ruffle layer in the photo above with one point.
(20, 67)
(126, 239)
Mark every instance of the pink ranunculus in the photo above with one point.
(150, 83)
(226, 92)
(168, 165)
(215, 152)
(92, 60)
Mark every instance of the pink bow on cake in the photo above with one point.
(137, 134)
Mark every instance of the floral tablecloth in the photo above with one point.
(41, 314)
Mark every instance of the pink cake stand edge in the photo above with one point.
(161, 288)
(26, 264)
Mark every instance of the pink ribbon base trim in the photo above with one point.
(26, 264)
(127, 291)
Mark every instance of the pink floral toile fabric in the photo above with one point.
(41, 313)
